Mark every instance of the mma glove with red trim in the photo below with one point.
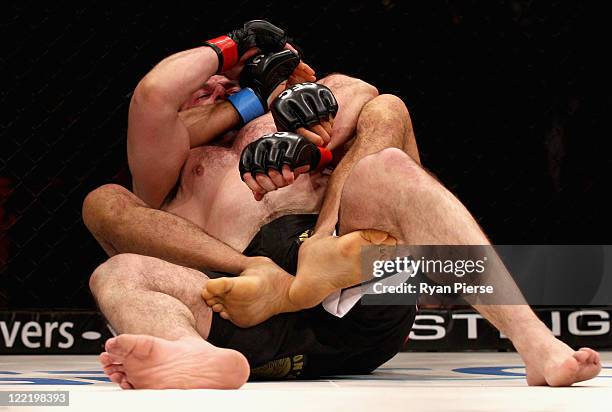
(255, 33)
(273, 151)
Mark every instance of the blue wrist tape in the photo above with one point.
(247, 104)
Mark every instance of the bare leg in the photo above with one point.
(162, 321)
(416, 209)
(122, 223)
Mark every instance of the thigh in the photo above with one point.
(369, 197)
(127, 273)
(182, 283)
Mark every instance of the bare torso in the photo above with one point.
(212, 195)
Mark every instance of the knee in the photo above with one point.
(389, 166)
(357, 86)
(119, 271)
(103, 203)
(387, 108)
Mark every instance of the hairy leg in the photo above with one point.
(122, 223)
(415, 209)
(163, 324)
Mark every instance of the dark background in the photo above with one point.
(509, 101)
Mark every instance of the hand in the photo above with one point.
(258, 34)
(319, 134)
(276, 160)
(262, 76)
(306, 108)
(234, 72)
(302, 73)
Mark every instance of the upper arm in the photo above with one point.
(158, 146)
(351, 94)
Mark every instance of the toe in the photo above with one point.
(219, 287)
(594, 355)
(582, 356)
(116, 377)
(217, 307)
(105, 359)
(111, 369)
(109, 345)
(212, 302)
(378, 237)
(125, 384)
(225, 315)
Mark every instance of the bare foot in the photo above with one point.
(327, 264)
(260, 292)
(142, 361)
(548, 361)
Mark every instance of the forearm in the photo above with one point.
(122, 223)
(206, 123)
(352, 95)
(172, 81)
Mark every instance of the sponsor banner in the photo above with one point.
(66, 332)
(459, 330)
(74, 332)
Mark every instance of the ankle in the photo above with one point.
(531, 335)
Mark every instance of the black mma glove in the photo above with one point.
(260, 76)
(255, 33)
(272, 151)
(303, 105)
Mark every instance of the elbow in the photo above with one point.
(150, 92)
(367, 90)
(359, 89)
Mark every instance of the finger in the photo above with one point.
(312, 137)
(300, 76)
(331, 120)
(277, 178)
(252, 183)
(290, 47)
(318, 129)
(327, 126)
(265, 182)
(304, 75)
(249, 53)
(258, 196)
(301, 170)
(306, 68)
(288, 175)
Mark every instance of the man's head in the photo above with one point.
(217, 88)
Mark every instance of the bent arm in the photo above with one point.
(352, 94)
(159, 138)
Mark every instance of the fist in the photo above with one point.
(304, 106)
(255, 34)
(260, 34)
(264, 73)
(276, 160)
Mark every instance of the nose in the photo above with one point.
(219, 93)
